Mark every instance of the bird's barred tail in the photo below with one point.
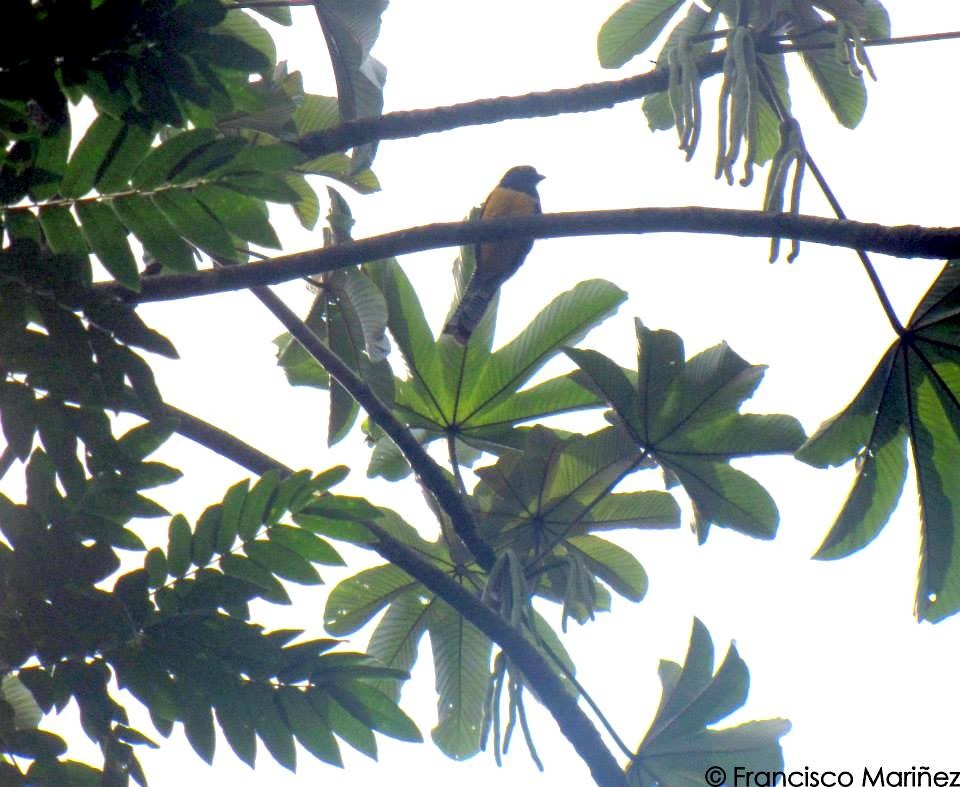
(469, 313)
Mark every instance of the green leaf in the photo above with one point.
(128, 150)
(461, 657)
(376, 710)
(564, 321)
(288, 489)
(346, 726)
(244, 216)
(126, 326)
(614, 565)
(90, 156)
(108, 239)
(351, 28)
(178, 549)
(914, 392)
(316, 113)
(395, 640)
(307, 204)
(846, 95)
(537, 500)
(61, 232)
(679, 747)
(255, 574)
(156, 565)
(197, 719)
(233, 502)
(407, 321)
(256, 504)
(632, 29)
(305, 544)
(152, 229)
(18, 410)
(205, 535)
(234, 719)
(273, 188)
(683, 414)
(472, 393)
(282, 561)
(271, 727)
(164, 161)
(192, 220)
(245, 44)
(141, 441)
(310, 728)
(355, 600)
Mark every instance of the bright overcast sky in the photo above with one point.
(832, 646)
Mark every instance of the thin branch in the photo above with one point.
(923, 38)
(573, 722)
(864, 259)
(430, 473)
(568, 673)
(222, 442)
(414, 123)
(898, 241)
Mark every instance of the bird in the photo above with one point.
(497, 260)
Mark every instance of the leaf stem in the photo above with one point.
(783, 114)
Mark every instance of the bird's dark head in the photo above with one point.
(524, 178)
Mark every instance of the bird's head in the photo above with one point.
(524, 178)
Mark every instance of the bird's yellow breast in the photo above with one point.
(507, 202)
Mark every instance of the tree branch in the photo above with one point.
(573, 723)
(414, 123)
(583, 98)
(898, 241)
(430, 473)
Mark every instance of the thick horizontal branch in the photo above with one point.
(901, 241)
(572, 721)
(414, 123)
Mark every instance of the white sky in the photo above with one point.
(832, 646)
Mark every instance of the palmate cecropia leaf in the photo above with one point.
(546, 502)
(911, 398)
(477, 395)
(461, 653)
(680, 747)
(683, 415)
